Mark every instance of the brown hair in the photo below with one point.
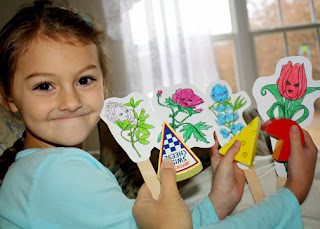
(57, 23)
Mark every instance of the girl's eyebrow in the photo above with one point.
(92, 66)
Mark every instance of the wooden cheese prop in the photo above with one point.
(187, 164)
(248, 138)
(280, 129)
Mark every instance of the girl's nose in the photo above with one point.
(69, 100)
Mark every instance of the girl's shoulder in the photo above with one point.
(59, 154)
(59, 158)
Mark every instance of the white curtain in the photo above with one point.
(163, 43)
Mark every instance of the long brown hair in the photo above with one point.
(45, 19)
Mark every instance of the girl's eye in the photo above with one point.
(85, 80)
(44, 86)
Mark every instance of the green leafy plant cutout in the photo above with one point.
(184, 101)
(135, 130)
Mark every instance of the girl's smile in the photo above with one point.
(58, 90)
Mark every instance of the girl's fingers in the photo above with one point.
(232, 152)
(168, 179)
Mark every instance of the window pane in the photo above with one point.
(299, 8)
(262, 13)
(269, 49)
(317, 9)
(306, 41)
(213, 15)
(308, 37)
(223, 51)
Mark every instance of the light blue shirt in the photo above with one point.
(68, 188)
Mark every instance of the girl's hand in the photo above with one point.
(301, 164)
(228, 180)
(169, 211)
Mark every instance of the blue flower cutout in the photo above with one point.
(228, 107)
(240, 126)
(235, 116)
(224, 133)
(229, 117)
(222, 107)
(221, 120)
(219, 93)
(219, 108)
(233, 129)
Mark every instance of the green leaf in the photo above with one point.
(128, 104)
(305, 113)
(147, 126)
(144, 142)
(142, 113)
(195, 131)
(281, 114)
(238, 104)
(129, 127)
(119, 123)
(137, 103)
(190, 111)
(159, 136)
(188, 132)
(144, 118)
(135, 114)
(125, 124)
(140, 123)
(144, 130)
(202, 126)
(132, 102)
(170, 102)
(138, 134)
(145, 136)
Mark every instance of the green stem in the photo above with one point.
(124, 137)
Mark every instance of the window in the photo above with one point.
(276, 34)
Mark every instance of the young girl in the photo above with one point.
(53, 71)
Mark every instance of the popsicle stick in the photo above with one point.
(281, 182)
(150, 177)
(254, 185)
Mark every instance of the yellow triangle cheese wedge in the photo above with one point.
(248, 138)
(172, 146)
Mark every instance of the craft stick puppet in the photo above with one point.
(185, 108)
(227, 109)
(188, 123)
(132, 123)
(288, 94)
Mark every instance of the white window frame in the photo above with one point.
(245, 60)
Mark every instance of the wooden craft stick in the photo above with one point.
(254, 185)
(281, 182)
(150, 177)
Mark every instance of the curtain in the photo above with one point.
(159, 43)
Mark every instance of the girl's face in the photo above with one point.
(58, 90)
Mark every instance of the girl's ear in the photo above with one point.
(10, 105)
